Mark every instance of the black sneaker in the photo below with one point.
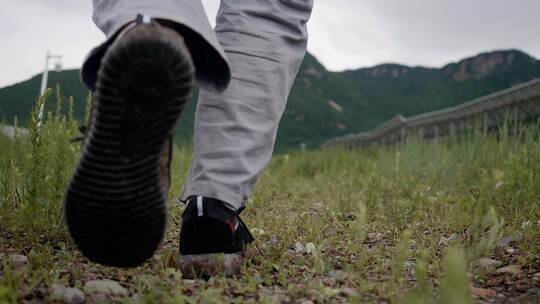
(116, 201)
(213, 239)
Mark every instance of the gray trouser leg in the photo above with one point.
(208, 55)
(235, 130)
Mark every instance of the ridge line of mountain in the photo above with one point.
(324, 104)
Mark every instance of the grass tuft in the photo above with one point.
(383, 224)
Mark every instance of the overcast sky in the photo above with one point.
(344, 34)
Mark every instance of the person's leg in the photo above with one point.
(141, 79)
(235, 130)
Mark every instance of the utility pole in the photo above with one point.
(44, 77)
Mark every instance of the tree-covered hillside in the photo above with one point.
(326, 104)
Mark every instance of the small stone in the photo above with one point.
(537, 275)
(108, 287)
(513, 269)
(66, 294)
(374, 237)
(483, 292)
(195, 266)
(310, 248)
(258, 231)
(332, 273)
(299, 247)
(486, 263)
(349, 292)
(99, 297)
(509, 239)
(510, 250)
(18, 260)
(318, 205)
(338, 275)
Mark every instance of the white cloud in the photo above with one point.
(351, 33)
(344, 34)
(32, 27)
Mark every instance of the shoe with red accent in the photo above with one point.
(213, 239)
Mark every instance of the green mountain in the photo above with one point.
(326, 104)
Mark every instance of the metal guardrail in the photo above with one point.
(521, 101)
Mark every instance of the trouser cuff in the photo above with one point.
(211, 66)
(232, 199)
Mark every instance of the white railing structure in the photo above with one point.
(518, 103)
(43, 87)
(11, 131)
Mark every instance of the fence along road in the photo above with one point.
(519, 103)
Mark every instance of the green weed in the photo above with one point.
(383, 224)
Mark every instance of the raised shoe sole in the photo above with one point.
(115, 204)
